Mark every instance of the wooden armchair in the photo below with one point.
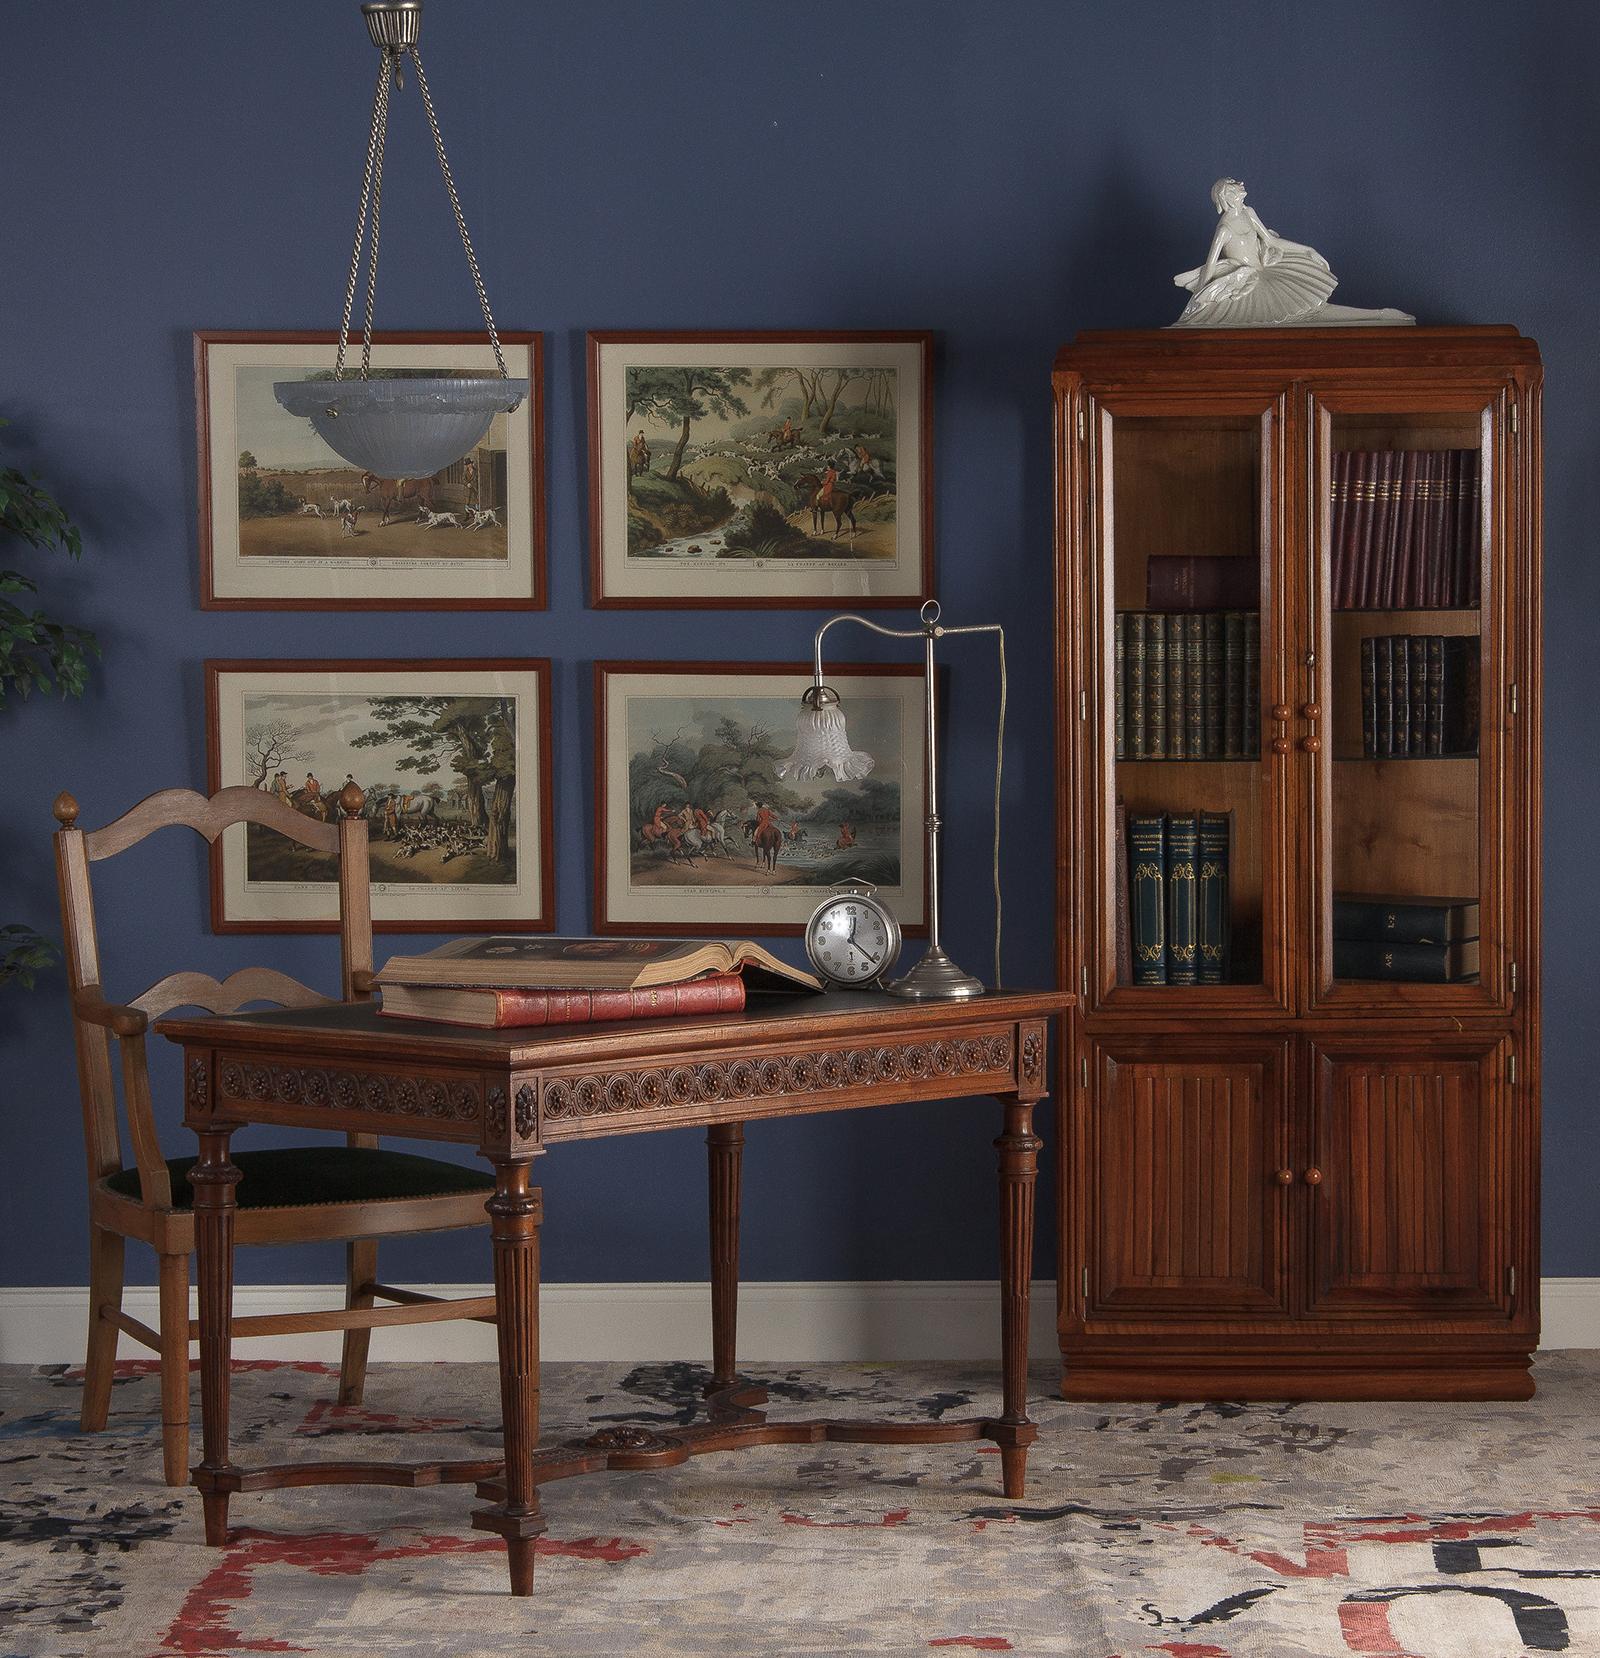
(356, 1192)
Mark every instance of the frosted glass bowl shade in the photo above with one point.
(410, 427)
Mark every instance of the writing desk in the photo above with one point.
(514, 1094)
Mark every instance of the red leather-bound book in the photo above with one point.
(499, 1009)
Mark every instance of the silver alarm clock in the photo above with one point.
(852, 940)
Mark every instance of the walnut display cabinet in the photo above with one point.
(1298, 714)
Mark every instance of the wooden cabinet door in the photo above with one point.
(1411, 1203)
(1181, 1190)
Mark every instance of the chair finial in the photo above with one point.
(65, 810)
(351, 799)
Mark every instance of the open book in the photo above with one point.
(514, 963)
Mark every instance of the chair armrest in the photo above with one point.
(120, 1021)
(363, 981)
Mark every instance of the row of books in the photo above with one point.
(1416, 939)
(1175, 928)
(1419, 695)
(493, 983)
(1187, 685)
(1406, 531)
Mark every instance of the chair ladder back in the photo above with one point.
(97, 1092)
(355, 910)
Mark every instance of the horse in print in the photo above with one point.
(409, 494)
(841, 503)
(765, 833)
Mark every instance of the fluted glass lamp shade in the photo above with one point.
(411, 427)
(821, 742)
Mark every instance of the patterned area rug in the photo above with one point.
(1192, 1531)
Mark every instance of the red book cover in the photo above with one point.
(1338, 518)
(1409, 561)
(1394, 463)
(502, 1009)
(1430, 523)
(1177, 581)
(1364, 594)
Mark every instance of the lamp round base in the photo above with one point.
(937, 979)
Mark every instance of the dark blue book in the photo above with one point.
(1213, 916)
(1182, 889)
(1147, 891)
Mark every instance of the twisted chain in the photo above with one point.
(374, 169)
(455, 207)
(395, 61)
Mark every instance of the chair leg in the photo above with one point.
(361, 1269)
(174, 1281)
(105, 1291)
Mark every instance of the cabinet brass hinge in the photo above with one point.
(1511, 973)
(1511, 1282)
(1511, 696)
(1511, 1069)
(1086, 1289)
(1083, 979)
(1083, 705)
(1516, 423)
(1083, 1070)
(1083, 426)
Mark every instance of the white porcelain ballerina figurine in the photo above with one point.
(1253, 278)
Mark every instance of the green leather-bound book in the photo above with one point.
(1155, 686)
(1369, 697)
(1135, 684)
(1194, 684)
(1383, 655)
(1252, 685)
(1417, 655)
(1402, 696)
(1213, 651)
(1211, 897)
(1233, 685)
(1119, 682)
(1177, 691)
(1147, 883)
(1182, 915)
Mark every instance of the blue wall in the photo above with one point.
(1003, 173)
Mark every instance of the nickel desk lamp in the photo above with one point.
(821, 744)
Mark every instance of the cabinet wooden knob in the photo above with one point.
(1281, 745)
(1282, 711)
(1286, 1177)
(1312, 711)
(1311, 744)
(1313, 1177)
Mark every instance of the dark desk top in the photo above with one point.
(357, 1029)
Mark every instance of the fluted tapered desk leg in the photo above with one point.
(515, 1212)
(214, 1178)
(725, 1157)
(1019, 1147)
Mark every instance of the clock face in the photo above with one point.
(851, 941)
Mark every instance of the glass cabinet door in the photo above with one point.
(1190, 799)
(1403, 709)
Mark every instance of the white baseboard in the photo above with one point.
(778, 1322)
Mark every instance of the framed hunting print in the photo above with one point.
(454, 760)
(286, 524)
(764, 469)
(699, 830)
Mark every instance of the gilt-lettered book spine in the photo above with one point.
(1119, 682)
(1401, 696)
(1252, 686)
(1233, 685)
(1155, 686)
(1215, 831)
(1369, 696)
(1182, 887)
(1147, 884)
(1194, 684)
(1214, 678)
(1383, 648)
(1417, 655)
(1177, 691)
(1135, 684)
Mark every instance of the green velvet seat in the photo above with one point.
(294, 1175)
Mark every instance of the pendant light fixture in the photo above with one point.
(409, 426)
